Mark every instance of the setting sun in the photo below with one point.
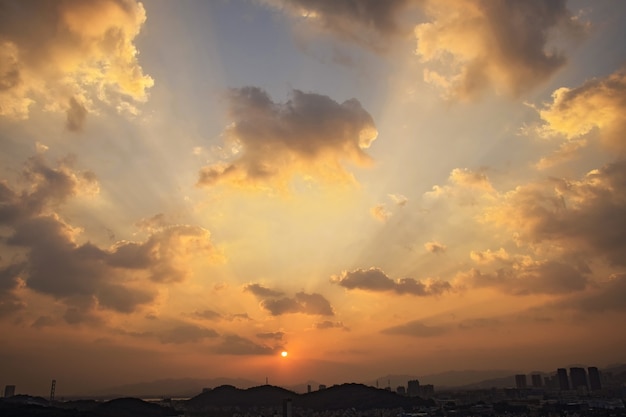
(284, 353)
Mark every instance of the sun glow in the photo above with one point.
(284, 353)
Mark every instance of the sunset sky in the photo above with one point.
(187, 188)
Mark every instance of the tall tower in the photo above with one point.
(594, 378)
(561, 375)
(520, 381)
(52, 387)
(579, 378)
(413, 388)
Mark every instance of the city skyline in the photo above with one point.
(309, 190)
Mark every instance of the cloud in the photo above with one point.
(435, 247)
(489, 256)
(277, 304)
(312, 304)
(63, 55)
(502, 45)
(466, 186)
(416, 329)
(566, 152)
(380, 213)
(374, 279)
(271, 335)
(584, 216)
(327, 324)
(76, 115)
(605, 296)
(310, 135)
(84, 276)
(208, 315)
(545, 277)
(367, 22)
(261, 291)
(186, 333)
(597, 104)
(237, 345)
(398, 199)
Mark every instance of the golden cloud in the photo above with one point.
(310, 135)
(497, 44)
(597, 104)
(65, 55)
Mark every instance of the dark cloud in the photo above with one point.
(327, 324)
(416, 329)
(84, 276)
(549, 277)
(186, 333)
(271, 335)
(603, 297)
(313, 304)
(237, 345)
(374, 279)
(208, 315)
(43, 321)
(76, 115)
(309, 134)
(261, 291)
(367, 22)
(500, 44)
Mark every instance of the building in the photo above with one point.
(413, 388)
(561, 375)
(9, 391)
(427, 391)
(287, 408)
(308, 389)
(578, 377)
(520, 381)
(321, 387)
(401, 390)
(595, 383)
(536, 381)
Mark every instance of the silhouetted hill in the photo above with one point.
(131, 407)
(358, 396)
(337, 397)
(227, 395)
(122, 407)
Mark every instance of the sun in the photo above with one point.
(284, 353)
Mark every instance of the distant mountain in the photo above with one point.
(442, 379)
(185, 387)
(345, 396)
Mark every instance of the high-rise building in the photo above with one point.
(594, 378)
(308, 388)
(578, 377)
(401, 390)
(9, 391)
(413, 388)
(287, 407)
(321, 387)
(520, 381)
(536, 380)
(561, 375)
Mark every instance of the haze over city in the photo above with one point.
(192, 188)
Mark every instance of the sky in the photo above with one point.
(376, 187)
